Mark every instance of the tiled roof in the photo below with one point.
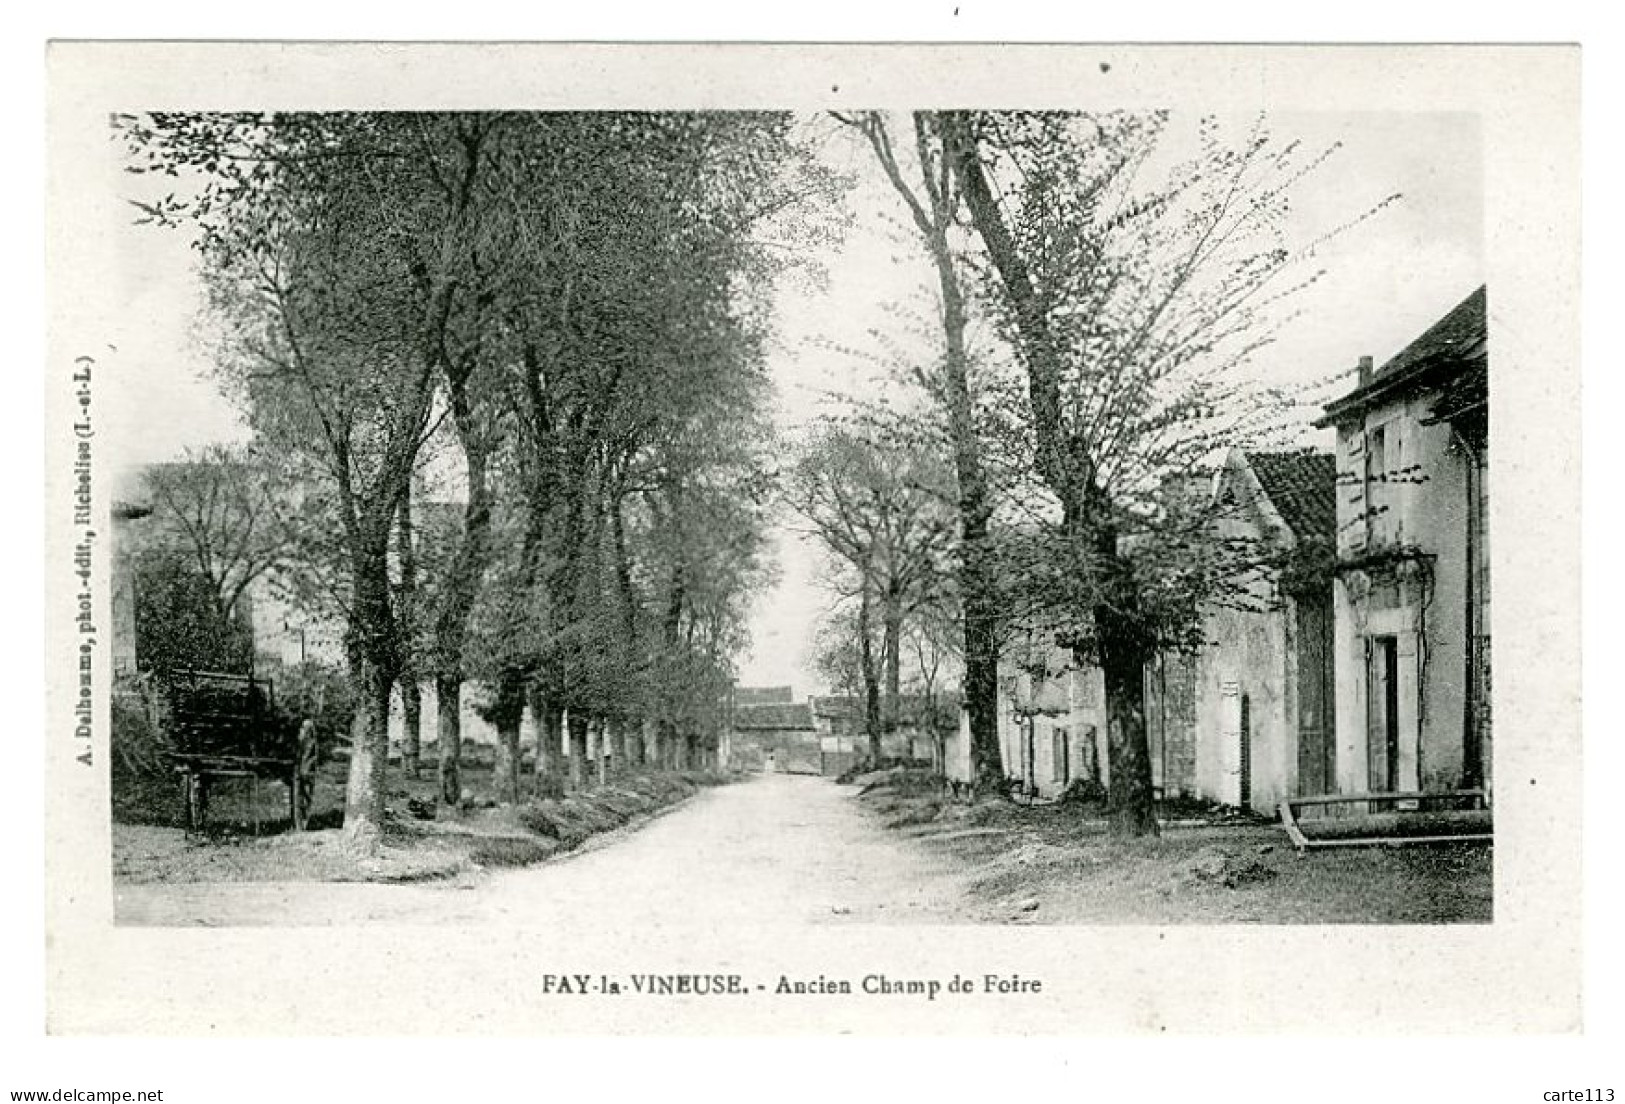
(764, 695)
(1459, 334)
(1454, 344)
(776, 717)
(837, 705)
(1302, 485)
(845, 705)
(1463, 395)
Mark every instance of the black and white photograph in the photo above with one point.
(806, 547)
(936, 555)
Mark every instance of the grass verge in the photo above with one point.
(1061, 864)
(456, 845)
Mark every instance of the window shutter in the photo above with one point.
(1351, 517)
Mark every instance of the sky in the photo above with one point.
(1387, 281)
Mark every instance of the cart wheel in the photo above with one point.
(302, 786)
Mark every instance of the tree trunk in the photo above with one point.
(411, 692)
(871, 679)
(549, 720)
(1130, 795)
(371, 643)
(934, 219)
(505, 778)
(598, 736)
(665, 745)
(981, 698)
(457, 593)
(449, 738)
(369, 756)
(977, 597)
(578, 749)
(411, 724)
(645, 744)
(615, 727)
(891, 654)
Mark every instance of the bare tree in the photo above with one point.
(930, 192)
(882, 512)
(220, 507)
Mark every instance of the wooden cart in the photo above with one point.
(223, 725)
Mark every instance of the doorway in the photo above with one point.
(1246, 752)
(1382, 714)
(1317, 697)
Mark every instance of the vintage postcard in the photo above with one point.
(721, 539)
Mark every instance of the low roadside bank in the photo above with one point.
(1060, 864)
(459, 845)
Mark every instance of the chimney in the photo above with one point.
(1365, 371)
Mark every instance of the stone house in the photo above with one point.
(845, 740)
(1246, 719)
(1363, 661)
(775, 736)
(1412, 589)
(1249, 719)
(1051, 716)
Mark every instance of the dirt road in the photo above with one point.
(780, 849)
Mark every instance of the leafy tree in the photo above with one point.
(837, 657)
(633, 387)
(1131, 290)
(178, 618)
(334, 248)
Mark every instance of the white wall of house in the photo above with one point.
(1423, 611)
(1253, 657)
(1249, 669)
(474, 727)
(283, 634)
(1048, 750)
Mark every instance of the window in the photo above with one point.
(1061, 756)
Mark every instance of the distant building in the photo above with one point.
(773, 737)
(843, 729)
(1412, 592)
(1051, 720)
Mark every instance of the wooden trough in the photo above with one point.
(1378, 819)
